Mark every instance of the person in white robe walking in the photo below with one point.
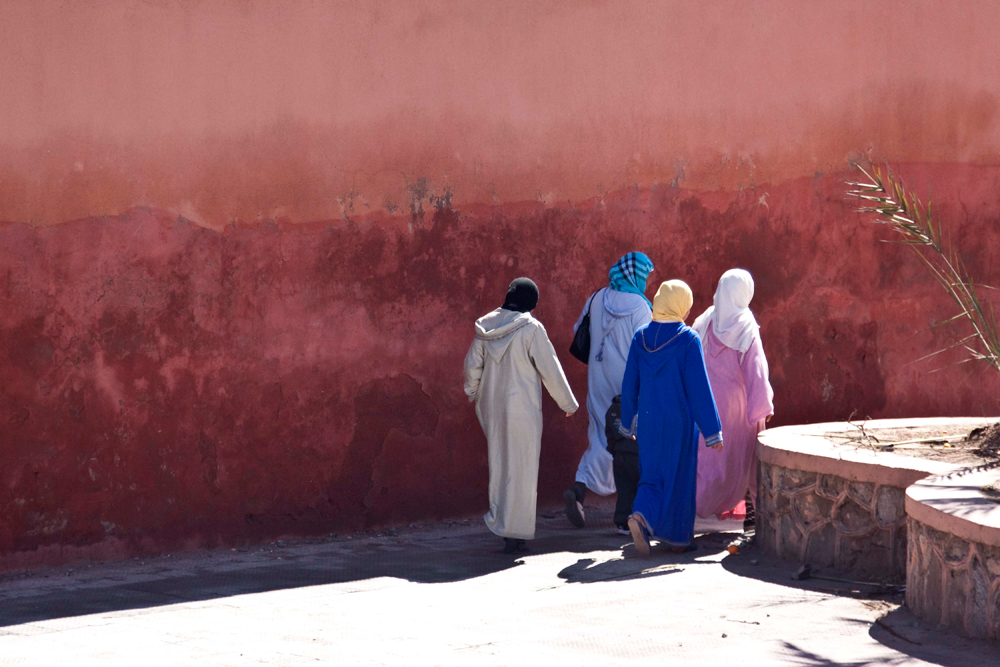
(616, 313)
(509, 360)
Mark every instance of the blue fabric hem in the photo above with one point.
(671, 543)
(651, 536)
(713, 440)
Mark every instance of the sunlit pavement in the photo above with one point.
(443, 594)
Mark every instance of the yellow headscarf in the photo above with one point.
(672, 302)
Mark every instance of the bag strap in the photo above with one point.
(590, 305)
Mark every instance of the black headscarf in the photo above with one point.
(522, 295)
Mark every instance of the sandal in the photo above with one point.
(574, 509)
(637, 526)
(513, 546)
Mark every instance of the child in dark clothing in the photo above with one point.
(625, 464)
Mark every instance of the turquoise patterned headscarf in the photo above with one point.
(629, 274)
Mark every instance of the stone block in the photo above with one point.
(790, 539)
(821, 546)
(782, 503)
(811, 509)
(890, 506)
(956, 598)
(955, 551)
(991, 558)
(979, 599)
(855, 551)
(900, 550)
(765, 501)
(914, 574)
(882, 538)
(933, 589)
(852, 519)
(866, 554)
(993, 615)
(830, 486)
(765, 475)
(766, 533)
(861, 492)
(788, 479)
(934, 536)
(923, 543)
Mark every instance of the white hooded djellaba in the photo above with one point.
(509, 360)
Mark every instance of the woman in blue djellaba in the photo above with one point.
(666, 403)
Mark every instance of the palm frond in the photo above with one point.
(886, 197)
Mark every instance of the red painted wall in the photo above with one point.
(247, 240)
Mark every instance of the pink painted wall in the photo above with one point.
(246, 240)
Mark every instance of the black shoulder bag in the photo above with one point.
(581, 341)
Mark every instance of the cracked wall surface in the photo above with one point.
(241, 249)
(166, 385)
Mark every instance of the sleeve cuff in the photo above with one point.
(630, 432)
(713, 440)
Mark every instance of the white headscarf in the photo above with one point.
(730, 316)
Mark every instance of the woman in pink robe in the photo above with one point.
(737, 371)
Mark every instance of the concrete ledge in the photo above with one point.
(954, 504)
(953, 573)
(834, 504)
(809, 448)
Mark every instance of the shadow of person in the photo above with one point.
(456, 556)
(589, 570)
(440, 556)
(662, 560)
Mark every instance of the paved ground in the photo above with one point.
(443, 595)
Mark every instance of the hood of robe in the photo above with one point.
(622, 304)
(729, 315)
(496, 329)
(619, 306)
(663, 340)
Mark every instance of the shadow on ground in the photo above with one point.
(428, 554)
(898, 629)
(902, 631)
(810, 659)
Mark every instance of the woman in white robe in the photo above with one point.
(509, 360)
(616, 313)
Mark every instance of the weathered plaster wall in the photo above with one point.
(247, 240)
(259, 108)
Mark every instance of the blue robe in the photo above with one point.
(666, 399)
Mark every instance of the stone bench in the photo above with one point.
(885, 516)
(954, 552)
(836, 505)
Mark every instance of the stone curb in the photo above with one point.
(959, 510)
(807, 448)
